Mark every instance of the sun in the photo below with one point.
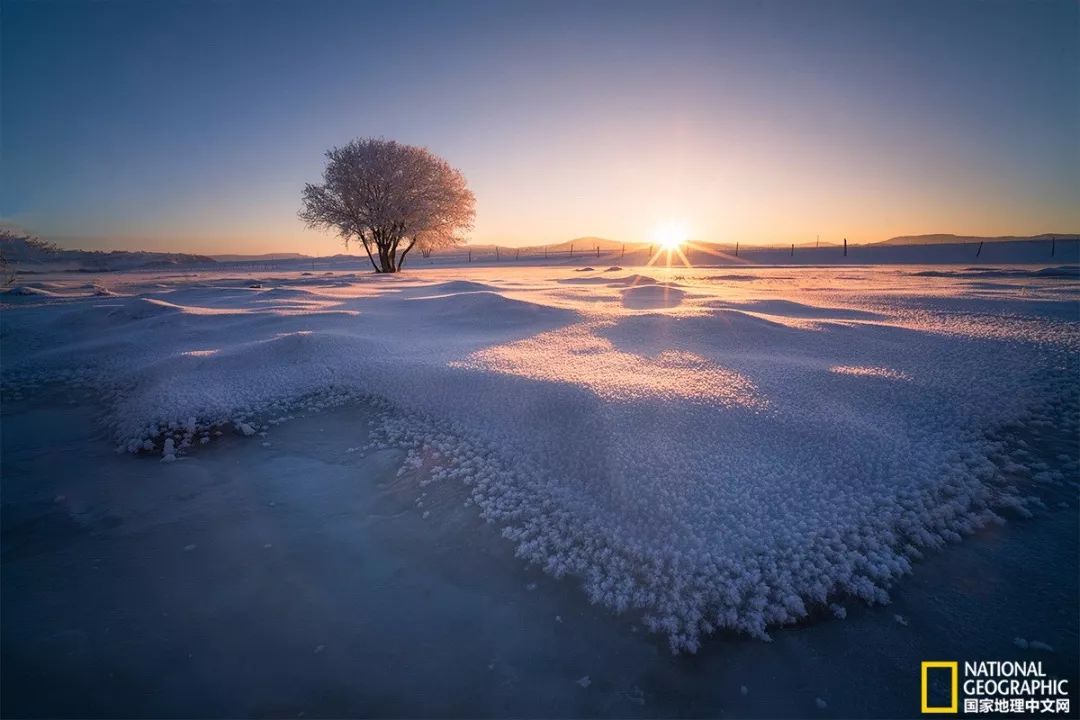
(671, 234)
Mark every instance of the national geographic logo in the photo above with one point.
(1007, 687)
(952, 667)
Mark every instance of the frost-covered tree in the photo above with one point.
(390, 197)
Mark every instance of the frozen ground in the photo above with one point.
(712, 454)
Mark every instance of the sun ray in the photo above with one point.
(670, 234)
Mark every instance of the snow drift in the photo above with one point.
(712, 456)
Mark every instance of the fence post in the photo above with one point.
(623, 253)
(1053, 245)
(792, 249)
(736, 248)
(979, 251)
(597, 251)
(571, 249)
(517, 254)
(845, 247)
(470, 255)
(496, 253)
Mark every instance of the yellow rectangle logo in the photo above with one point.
(951, 665)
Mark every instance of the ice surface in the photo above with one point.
(100, 598)
(712, 455)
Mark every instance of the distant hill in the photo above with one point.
(944, 239)
(590, 243)
(26, 252)
(263, 257)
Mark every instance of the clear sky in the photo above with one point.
(194, 125)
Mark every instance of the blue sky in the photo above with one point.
(194, 125)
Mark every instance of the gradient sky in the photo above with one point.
(194, 125)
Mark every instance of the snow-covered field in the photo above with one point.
(702, 450)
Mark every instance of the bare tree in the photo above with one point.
(8, 272)
(391, 198)
(16, 245)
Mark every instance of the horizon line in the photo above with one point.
(61, 241)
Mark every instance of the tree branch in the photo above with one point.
(406, 252)
(363, 241)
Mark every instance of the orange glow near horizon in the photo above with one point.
(670, 237)
(671, 234)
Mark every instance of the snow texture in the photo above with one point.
(706, 453)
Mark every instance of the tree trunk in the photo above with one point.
(386, 244)
(387, 261)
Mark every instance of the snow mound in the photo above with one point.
(455, 287)
(788, 308)
(1071, 272)
(653, 296)
(141, 308)
(28, 291)
(631, 280)
(466, 307)
(624, 281)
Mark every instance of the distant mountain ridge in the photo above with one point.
(947, 239)
(265, 256)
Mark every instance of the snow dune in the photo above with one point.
(652, 296)
(709, 454)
